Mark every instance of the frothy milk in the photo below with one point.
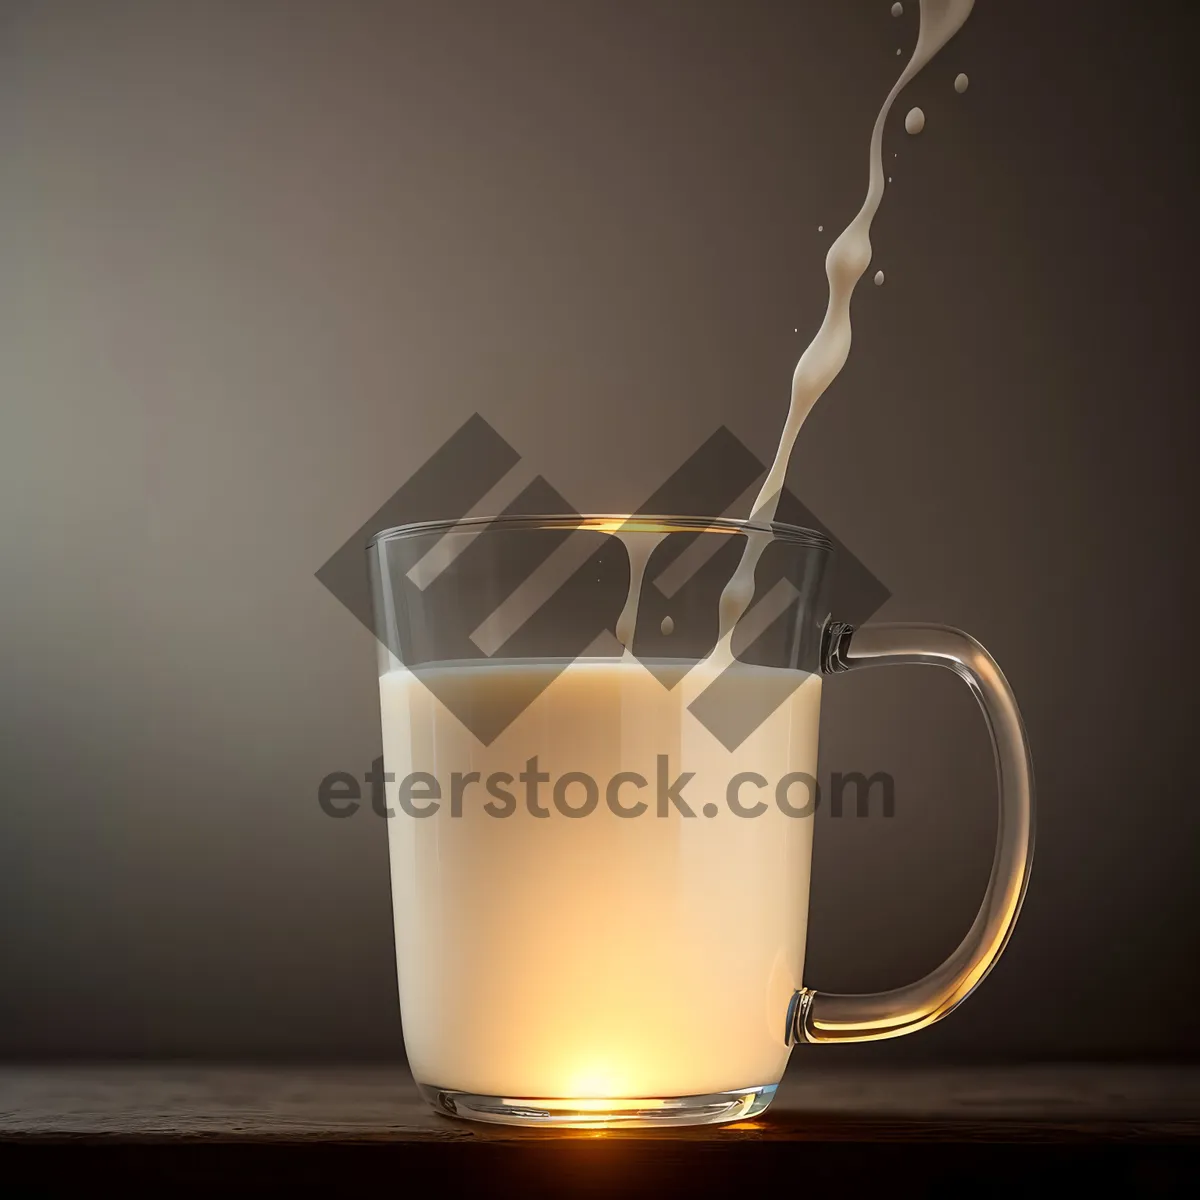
(607, 956)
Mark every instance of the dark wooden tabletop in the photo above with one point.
(910, 1124)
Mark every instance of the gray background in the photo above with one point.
(260, 259)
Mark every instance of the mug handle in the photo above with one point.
(826, 1017)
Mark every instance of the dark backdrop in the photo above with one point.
(259, 259)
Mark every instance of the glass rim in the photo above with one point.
(613, 523)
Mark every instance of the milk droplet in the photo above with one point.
(961, 83)
(897, 9)
(820, 228)
(878, 278)
(667, 626)
(889, 179)
(899, 51)
(915, 121)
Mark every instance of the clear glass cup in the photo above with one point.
(601, 819)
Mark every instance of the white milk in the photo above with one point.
(826, 354)
(610, 957)
(600, 956)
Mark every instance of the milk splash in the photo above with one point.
(639, 547)
(819, 365)
(822, 361)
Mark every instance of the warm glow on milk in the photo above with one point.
(597, 956)
(605, 957)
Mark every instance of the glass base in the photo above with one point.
(640, 1113)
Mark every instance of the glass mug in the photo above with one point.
(600, 852)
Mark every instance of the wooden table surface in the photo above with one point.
(910, 1126)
